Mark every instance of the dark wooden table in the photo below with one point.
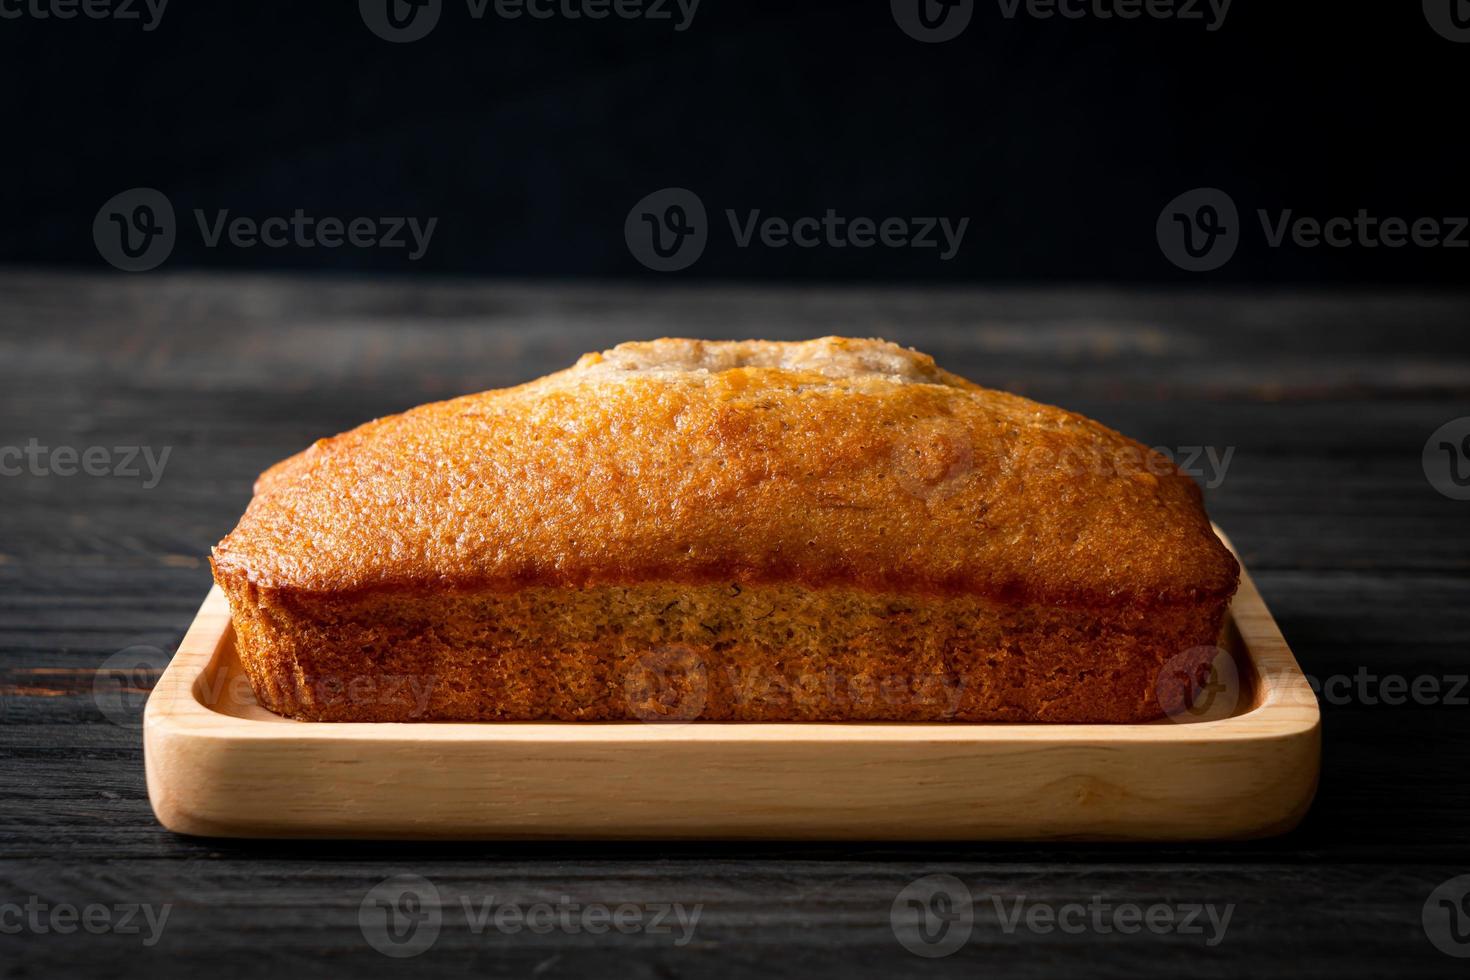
(1326, 399)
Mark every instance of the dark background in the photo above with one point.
(531, 139)
(1328, 400)
(1327, 369)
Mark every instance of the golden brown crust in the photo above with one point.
(662, 653)
(833, 530)
(830, 463)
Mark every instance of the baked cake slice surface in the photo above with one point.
(835, 529)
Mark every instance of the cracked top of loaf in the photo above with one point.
(831, 462)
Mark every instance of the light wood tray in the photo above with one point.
(220, 765)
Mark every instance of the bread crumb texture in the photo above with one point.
(829, 530)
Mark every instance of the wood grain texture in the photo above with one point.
(1327, 398)
(1240, 761)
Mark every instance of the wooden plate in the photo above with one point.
(1239, 761)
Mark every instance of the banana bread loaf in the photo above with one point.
(726, 531)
